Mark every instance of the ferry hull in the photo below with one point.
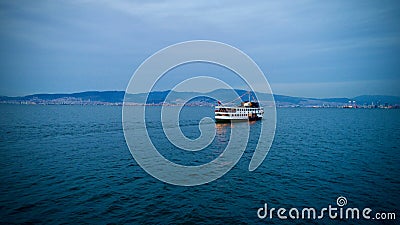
(229, 120)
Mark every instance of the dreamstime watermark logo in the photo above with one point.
(134, 118)
(331, 212)
(341, 201)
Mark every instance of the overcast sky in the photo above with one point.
(305, 48)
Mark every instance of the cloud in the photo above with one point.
(301, 41)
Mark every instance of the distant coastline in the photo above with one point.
(157, 98)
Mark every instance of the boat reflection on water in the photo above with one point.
(223, 126)
(223, 130)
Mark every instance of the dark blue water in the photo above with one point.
(70, 164)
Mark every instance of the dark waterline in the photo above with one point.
(70, 164)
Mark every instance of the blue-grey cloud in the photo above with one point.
(67, 46)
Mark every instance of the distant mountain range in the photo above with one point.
(158, 97)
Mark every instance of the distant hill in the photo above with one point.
(158, 97)
(94, 96)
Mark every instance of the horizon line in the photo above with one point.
(77, 92)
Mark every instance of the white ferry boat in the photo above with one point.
(246, 111)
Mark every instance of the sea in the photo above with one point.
(70, 164)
